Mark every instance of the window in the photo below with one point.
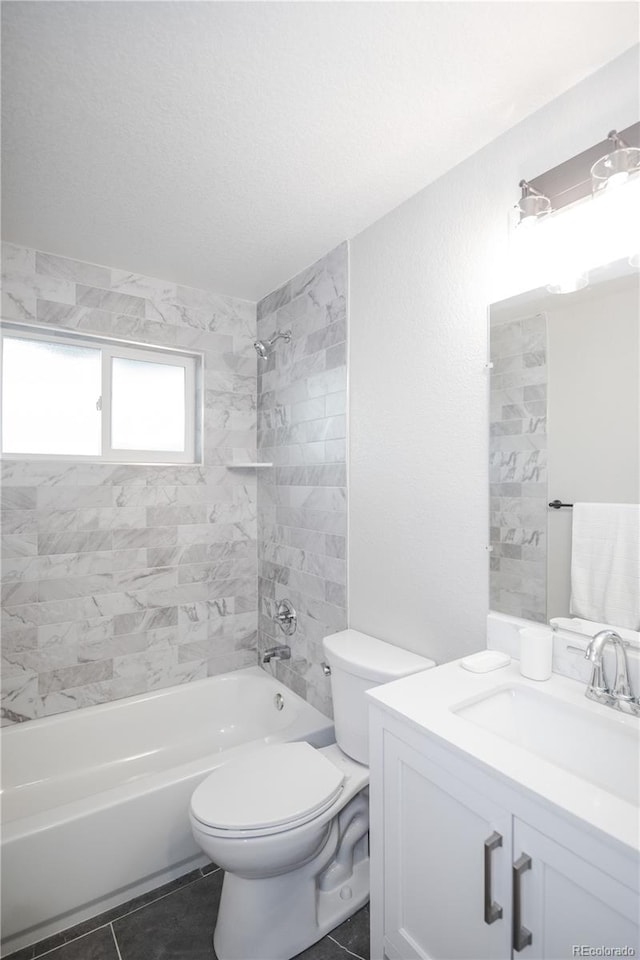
(85, 397)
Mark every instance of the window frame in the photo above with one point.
(110, 348)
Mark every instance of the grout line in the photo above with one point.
(73, 940)
(346, 949)
(164, 896)
(115, 940)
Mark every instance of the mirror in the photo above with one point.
(564, 425)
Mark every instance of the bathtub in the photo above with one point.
(95, 803)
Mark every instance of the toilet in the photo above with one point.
(289, 822)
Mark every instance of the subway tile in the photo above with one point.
(57, 634)
(57, 566)
(17, 258)
(88, 296)
(145, 620)
(144, 537)
(327, 337)
(115, 646)
(70, 587)
(20, 638)
(208, 533)
(74, 270)
(34, 286)
(135, 284)
(20, 700)
(19, 591)
(40, 473)
(73, 317)
(17, 498)
(176, 514)
(18, 522)
(157, 578)
(320, 475)
(76, 542)
(19, 545)
(60, 653)
(147, 496)
(73, 498)
(330, 499)
(74, 676)
(18, 306)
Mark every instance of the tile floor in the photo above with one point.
(176, 922)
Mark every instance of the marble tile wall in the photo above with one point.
(302, 499)
(121, 578)
(518, 467)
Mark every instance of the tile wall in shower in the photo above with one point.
(117, 579)
(518, 466)
(303, 498)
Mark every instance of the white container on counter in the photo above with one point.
(536, 652)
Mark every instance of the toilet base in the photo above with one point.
(277, 918)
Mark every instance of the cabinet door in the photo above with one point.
(567, 902)
(435, 877)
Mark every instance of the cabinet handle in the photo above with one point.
(521, 936)
(492, 910)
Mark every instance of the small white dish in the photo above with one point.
(485, 661)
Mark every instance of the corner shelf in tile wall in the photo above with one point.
(247, 465)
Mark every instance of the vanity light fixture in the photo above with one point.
(616, 167)
(532, 205)
(586, 212)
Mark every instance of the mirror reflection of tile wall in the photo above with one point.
(518, 466)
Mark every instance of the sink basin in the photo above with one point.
(603, 751)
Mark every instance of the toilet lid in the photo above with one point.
(275, 785)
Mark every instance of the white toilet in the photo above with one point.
(289, 822)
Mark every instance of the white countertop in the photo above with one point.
(427, 701)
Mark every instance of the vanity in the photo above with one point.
(504, 819)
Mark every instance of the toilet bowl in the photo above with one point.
(289, 822)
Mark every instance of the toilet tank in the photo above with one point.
(359, 662)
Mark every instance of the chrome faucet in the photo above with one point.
(619, 696)
(277, 653)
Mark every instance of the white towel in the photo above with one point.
(605, 563)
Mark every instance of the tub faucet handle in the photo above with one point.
(286, 617)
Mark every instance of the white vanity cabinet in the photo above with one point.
(445, 836)
(568, 901)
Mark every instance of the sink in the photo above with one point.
(601, 750)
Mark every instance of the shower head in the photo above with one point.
(264, 349)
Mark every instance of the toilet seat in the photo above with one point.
(272, 790)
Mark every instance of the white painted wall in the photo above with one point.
(593, 413)
(421, 280)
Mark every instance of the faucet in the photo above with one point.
(277, 653)
(619, 696)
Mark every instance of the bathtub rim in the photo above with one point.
(95, 709)
(300, 728)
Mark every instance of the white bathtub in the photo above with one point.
(95, 803)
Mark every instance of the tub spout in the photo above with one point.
(277, 653)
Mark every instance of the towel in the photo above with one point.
(589, 628)
(605, 563)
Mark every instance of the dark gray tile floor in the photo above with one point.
(176, 922)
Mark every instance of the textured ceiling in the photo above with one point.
(228, 145)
